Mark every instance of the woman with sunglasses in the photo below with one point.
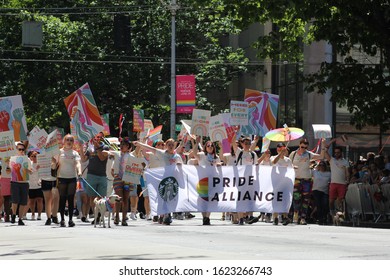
(301, 160)
(21, 168)
(69, 168)
(207, 157)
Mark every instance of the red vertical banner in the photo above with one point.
(185, 94)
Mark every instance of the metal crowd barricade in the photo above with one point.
(353, 204)
(366, 201)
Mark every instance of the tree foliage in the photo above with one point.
(349, 26)
(79, 47)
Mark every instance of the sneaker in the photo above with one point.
(285, 221)
(276, 221)
(33, 217)
(133, 216)
(254, 220)
(190, 216)
(167, 221)
(206, 221)
(13, 219)
(116, 221)
(91, 216)
(20, 222)
(148, 217)
(241, 222)
(48, 222)
(62, 224)
(124, 223)
(303, 222)
(142, 216)
(84, 220)
(76, 212)
(155, 219)
(39, 218)
(71, 223)
(267, 219)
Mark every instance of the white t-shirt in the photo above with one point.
(247, 158)
(230, 160)
(337, 168)
(321, 181)
(284, 162)
(207, 160)
(34, 179)
(167, 159)
(302, 164)
(67, 163)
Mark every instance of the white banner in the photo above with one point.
(182, 188)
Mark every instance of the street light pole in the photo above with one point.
(173, 8)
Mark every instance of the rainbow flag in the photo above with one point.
(155, 131)
(84, 114)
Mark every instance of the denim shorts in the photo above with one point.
(96, 185)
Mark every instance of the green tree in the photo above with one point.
(350, 26)
(79, 47)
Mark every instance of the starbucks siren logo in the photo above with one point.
(168, 188)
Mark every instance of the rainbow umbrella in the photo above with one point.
(284, 134)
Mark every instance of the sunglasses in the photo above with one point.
(209, 145)
(303, 147)
(69, 140)
(22, 150)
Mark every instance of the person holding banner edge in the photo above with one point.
(207, 157)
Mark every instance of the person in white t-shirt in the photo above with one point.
(282, 160)
(301, 159)
(321, 180)
(207, 157)
(165, 157)
(339, 168)
(69, 168)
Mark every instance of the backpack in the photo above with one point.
(239, 158)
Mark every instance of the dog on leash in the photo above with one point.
(103, 205)
(338, 218)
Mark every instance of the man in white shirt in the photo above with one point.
(339, 168)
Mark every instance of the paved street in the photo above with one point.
(189, 240)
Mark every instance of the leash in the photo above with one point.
(85, 181)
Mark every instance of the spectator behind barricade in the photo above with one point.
(387, 162)
(355, 175)
(379, 160)
(384, 177)
(370, 158)
(373, 173)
